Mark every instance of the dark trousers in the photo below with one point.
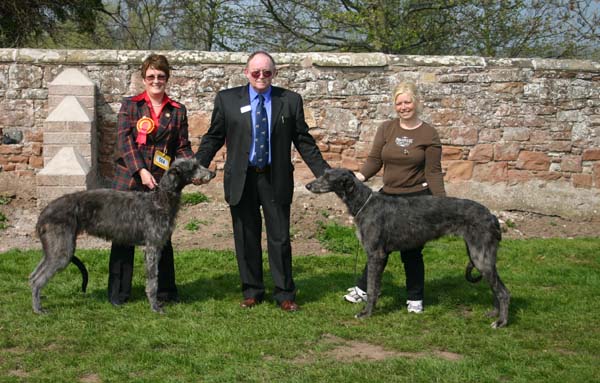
(247, 232)
(414, 268)
(120, 273)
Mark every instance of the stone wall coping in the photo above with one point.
(320, 59)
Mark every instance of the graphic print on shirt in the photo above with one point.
(404, 142)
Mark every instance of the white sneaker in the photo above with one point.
(414, 306)
(356, 295)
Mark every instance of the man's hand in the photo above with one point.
(360, 176)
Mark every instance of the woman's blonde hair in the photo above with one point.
(410, 88)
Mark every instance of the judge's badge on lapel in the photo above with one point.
(162, 160)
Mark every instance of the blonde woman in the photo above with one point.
(409, 150)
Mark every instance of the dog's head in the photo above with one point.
(338, 180)
(182, 172)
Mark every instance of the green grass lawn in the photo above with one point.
(553, 333)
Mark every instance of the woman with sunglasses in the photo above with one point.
(260, 122)
(152, 132)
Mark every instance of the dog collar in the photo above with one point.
(363, 206)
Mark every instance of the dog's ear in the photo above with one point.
(349, 181)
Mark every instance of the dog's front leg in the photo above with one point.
(152, 255)
(375, 265)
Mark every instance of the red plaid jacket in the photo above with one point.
(170, 137)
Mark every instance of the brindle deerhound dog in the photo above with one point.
(386, 224)
(124, 217)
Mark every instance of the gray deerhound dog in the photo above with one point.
(124, 217)
(388, 223)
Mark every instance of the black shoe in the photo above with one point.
(117, 302)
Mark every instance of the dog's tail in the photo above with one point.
(468, 274)
(470, 267)
(497, 228)
(83, 270)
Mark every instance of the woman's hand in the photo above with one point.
(147, 179)
(360, 176)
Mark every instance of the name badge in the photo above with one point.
(245, 109)
(162, 160)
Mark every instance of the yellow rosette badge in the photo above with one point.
(144, 126)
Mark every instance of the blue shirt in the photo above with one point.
(254, 106)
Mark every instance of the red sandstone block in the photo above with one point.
(582, 180)
(491, 172)
(548, 176)
(482, 153)
(560, 146)
(323, 147)
(540, 136)
(458, 170)
(328, 156)
(11, 149)
(36, 162)
(592, 154)
(596, 174)
(490, 135)
(336, 148)
(350, 163)
(533, 161)
(18, 159)
(198, 124)
(571, 164)
(507, 151)
(451, 153)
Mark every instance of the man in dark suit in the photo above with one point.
(260, 173)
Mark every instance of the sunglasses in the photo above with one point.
(256, 73)
(160, 77)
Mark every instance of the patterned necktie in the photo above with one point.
(261, 142)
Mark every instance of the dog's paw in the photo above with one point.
(499, 323)
(158, 309)
(40, 311)
(363, 314)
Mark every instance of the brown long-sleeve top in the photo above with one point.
(411, 159)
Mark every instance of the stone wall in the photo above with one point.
(518, 134)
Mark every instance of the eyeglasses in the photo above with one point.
(160, 78)
(256, 73)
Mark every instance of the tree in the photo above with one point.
(137, 24)
(511, 28)
(394, 26)
(24, 22)
(206, 25)
(581, 19)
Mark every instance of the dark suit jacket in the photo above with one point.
(229, 125)
(171, 137)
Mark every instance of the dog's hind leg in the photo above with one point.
(485, 261)
(376, 262)
(501, 298)
(152, 255)
(57, 254)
